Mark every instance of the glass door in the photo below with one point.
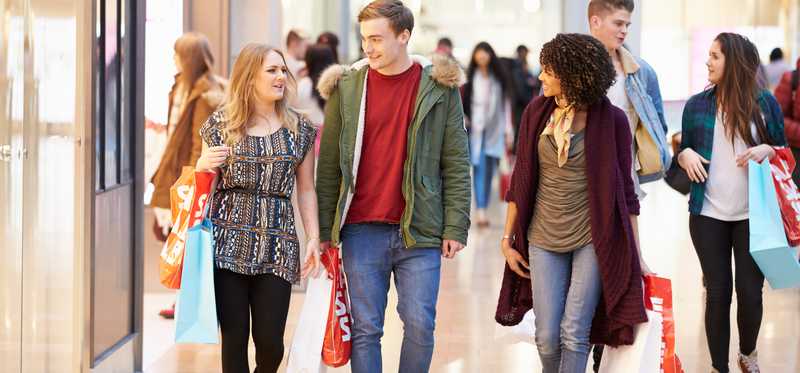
(11, 196)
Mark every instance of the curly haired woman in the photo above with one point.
(570, 225)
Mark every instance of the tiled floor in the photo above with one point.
(470, 284)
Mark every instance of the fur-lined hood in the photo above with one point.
(445, 71)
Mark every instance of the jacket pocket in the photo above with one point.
(428, 216)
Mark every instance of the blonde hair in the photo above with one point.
(240, 100)
(195, 56)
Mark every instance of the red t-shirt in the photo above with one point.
(390, 110)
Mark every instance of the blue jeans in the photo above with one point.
(483, 174)
(370, 254)
(566, 290)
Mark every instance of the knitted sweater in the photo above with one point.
(611, 202)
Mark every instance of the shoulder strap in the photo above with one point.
(794, 81)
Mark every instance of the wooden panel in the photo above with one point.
(112, 265)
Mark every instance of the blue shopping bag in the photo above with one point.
(768, 245)
(196, 308)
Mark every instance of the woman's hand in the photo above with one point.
(212, 157)
(757, 153)
(311, 263)
(692, 163)
(514, 259)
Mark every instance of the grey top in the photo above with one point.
(561, 219)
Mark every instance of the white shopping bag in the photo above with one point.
(522, 332)
(644, 356)
(305, 353)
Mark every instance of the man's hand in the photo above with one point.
(450, 248)
(324, 246)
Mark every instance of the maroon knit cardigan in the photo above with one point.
(612, 200)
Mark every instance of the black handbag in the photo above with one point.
(677, 178)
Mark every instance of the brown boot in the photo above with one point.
(749, 363)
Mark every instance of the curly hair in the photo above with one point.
(582, 64)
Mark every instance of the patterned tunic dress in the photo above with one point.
(252, 213)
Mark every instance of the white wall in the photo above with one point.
(259, 21)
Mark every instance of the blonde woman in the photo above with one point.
(258, 146)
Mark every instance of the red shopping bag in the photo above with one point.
(337, 344)
(658, 298)
(506, 166)
(782, 166)
(188, 197)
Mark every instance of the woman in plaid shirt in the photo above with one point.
(725, 126)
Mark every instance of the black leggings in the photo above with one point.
(266, 299)
(713, 240)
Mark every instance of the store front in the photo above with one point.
(69, 182)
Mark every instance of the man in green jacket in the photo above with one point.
(393, 182)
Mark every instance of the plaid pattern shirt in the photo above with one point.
(699, 118)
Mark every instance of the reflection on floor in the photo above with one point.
(470, 285)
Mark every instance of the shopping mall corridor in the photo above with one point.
(465, 335)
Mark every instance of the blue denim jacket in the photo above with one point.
(645, 96)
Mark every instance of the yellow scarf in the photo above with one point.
(559, 126)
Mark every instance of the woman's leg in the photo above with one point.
(233, 312)
(550, 274)
(491, 168)
(479, 173)
(749, 283)
(269, 302)
(713, 242)
(582, 298)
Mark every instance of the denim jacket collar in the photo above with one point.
(628, 61)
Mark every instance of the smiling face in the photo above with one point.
(381, 45)
(551, 85)
(611, 27)
(715, 63)
(270, 82)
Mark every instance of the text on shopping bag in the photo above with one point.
(188, 197)
(337, 345)
(782, 166)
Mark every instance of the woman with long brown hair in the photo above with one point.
(195, 94)
(258, 146)
(724, 127)
(487, 97)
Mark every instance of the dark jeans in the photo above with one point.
(714, 240)
(265, 298)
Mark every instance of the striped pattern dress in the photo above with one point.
(252, 213)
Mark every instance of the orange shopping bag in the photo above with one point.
(658, 298)
(188, 197)
(337, 344)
